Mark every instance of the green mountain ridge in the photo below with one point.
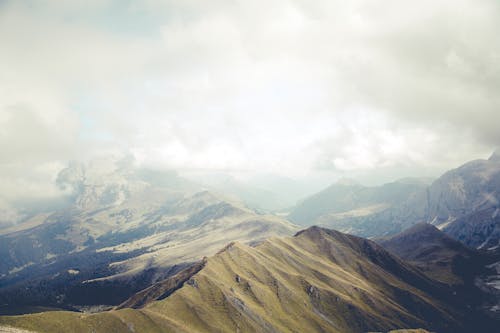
(320, 280)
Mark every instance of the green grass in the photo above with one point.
(314, 282)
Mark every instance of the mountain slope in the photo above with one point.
(437, 254)
(116, 263)
(263, 192)
(318, 281)
(480, 229)
(468, 195)
(346, 199)
(469, 272)
(463, 202)
(124, 232)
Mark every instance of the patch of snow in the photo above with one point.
(486, 241)
(20, 268)
(495, 283)
(496, 266)
(442, 225)
(50, 256)
(495, 308)
(494, 280)
(79, 248)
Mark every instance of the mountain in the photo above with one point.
(436, 254)
(479, 229)
(264, 192)
(471, 273)
(253, 196)
(125, 230)
(473, 187)
(348, 199)
(320, 280)
(463, 202)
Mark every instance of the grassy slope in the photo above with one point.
(318, 281)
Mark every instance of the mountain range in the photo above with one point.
(320, 280)
(463, 202)
(347, 199)
(138, 250)
(123, 232)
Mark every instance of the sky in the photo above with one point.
(371, 89)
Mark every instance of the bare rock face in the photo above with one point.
(466, 201)
(473, 187)
(480, 229)
(463, 202)
(104, 182)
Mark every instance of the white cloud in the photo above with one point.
(288, 86)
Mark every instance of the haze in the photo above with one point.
(309, 90)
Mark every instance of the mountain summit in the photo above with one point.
(320, 280)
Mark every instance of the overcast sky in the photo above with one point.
(295, 87)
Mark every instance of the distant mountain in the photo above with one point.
(262, 192)
(479, 229)
(463, 202)
(347, 199)
(318, 281)
(125, 230)
(253, 196)
(473, 187)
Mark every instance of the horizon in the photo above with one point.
(282, 88)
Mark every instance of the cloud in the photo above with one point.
(285, 86)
